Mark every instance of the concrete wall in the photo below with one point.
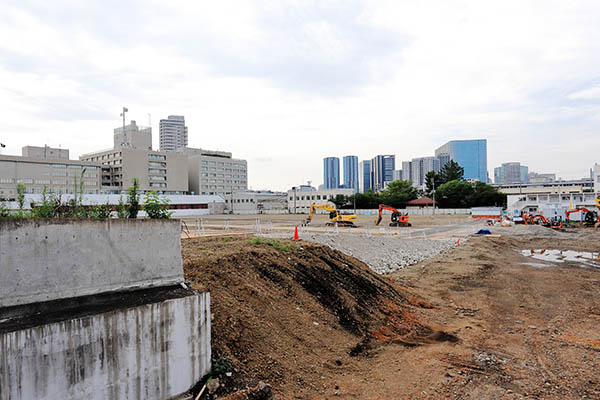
(154, 351)
(44, 260)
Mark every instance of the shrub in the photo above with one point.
(133, 199)
(156, 207)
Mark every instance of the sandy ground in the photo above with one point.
(526, 328)
(525, 331)
(422, 225)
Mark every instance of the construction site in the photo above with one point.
(301, 307)
(430, 310)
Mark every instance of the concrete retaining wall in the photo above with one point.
(42, 260)
(154, 351)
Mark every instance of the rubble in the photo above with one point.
(384, 254)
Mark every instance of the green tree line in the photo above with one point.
(451, 191)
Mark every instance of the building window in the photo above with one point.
(157, 171)
(59, 165)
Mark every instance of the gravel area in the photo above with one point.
(524, 230)
(384, 254)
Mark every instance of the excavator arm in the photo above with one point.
(314, 207)
(381, 208)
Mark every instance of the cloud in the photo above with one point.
(294, 81)
(591, 93)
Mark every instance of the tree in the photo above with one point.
(398, 193)
(133, 199)
(486, 195)
(339, 200)
(366, 200)
(432, 182)
(454, 194)
(156, 207)
(452, 171)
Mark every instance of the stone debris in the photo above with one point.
(383, 254)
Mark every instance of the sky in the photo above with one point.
(283, 84)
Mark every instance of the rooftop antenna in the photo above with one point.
(125, 109)
(309, 182)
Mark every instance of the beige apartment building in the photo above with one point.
(45, 167)
(132, 157)
(215, 172)
(155, 170)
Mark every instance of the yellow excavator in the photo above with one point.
(334, 216)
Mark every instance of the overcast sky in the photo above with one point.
(284, 84)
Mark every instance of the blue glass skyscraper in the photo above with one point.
(351, 172)
(469, 154)
(331, 172)
(382, 171)
(364, 176)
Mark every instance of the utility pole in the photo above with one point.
(433, 184)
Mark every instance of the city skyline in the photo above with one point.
(379, 78)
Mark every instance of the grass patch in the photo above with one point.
(273, 243)
(228, 240)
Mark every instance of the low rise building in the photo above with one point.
(215, 172)
(299, 201)
(256, 202)
(47, 168)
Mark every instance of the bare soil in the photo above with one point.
(294, 317)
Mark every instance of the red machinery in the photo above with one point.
(398, 219)
(554, 223)
(590, 219)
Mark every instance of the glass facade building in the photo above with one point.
(382, 171)
(364, 176)
(469, 154)
(351, 172)
(331, 173)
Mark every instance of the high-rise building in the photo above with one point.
(364, 176)
(511, 172)
(420, 167)
(351, 172)
(407, 170)
(173, 133)
(331, 172)
(469, 154)
(382, 171)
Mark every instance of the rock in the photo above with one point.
(213, 385)
(531, 326)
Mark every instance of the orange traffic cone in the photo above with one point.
(296, 237)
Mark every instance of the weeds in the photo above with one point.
(228, 240)
(156, 207)
(221, 366)
(273, 243)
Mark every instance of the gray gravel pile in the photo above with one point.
(524, 230)
(384, 254)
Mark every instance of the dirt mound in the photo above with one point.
(291, 312)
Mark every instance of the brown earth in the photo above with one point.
(296, 313)
(524, 332)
